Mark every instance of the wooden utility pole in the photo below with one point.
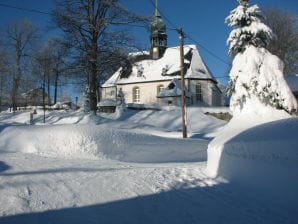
(183, 103)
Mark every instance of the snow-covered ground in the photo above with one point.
(127, 167)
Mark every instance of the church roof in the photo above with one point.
(165, 68)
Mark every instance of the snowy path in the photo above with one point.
(37, 189)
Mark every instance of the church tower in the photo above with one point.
(158, 35)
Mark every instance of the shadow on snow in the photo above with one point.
(3, 166)
(222, 203)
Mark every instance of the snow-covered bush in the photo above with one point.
(257, 80)
(256, 74)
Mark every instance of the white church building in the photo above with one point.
(152, 79)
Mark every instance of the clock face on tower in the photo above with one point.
(155, 50)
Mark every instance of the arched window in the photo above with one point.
(199, 93)
(136, 94)
(159, 88)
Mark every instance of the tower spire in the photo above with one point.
(158, 35)
(156, 9)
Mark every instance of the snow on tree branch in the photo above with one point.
(249, 29)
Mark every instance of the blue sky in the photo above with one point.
(202, 20)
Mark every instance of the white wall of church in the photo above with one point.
(148, 92)
(210, 94)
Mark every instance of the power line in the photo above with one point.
(24, 9)
(207, 50)
(173, 26)
(222, 77)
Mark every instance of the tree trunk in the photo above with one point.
(1, 90)
(17, 79)
(13, 95)
(98, 94)
(49, 90)
(93, 78)
(93, 85)
(56, 86)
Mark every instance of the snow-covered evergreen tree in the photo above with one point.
(256, 76)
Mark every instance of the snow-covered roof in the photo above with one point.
(292, 81)
(165, 68)
(32, 91)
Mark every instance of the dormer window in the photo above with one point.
(165, 70)
(140, 71)
(171, 85)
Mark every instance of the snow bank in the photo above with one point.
(169, 120)
(236, 126)
(96, 142)
(272, 145)
(127, 135)
(257, 150)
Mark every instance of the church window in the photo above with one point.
(199, 94)
(136, 94)
(160, 88)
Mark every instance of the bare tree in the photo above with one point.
(43, 67)
(285, 45)
(3, 74)
(60, 53)
(55, 53)
(20, 36)
(50, 65)
(89, 24)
